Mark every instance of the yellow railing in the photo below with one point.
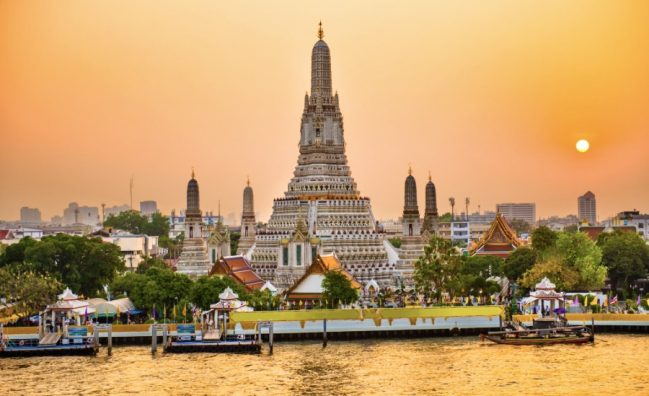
(375, 314)
(586, 317)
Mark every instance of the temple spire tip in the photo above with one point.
(320, 31)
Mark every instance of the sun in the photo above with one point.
(582, 145)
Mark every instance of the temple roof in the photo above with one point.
(237, 268)
(321, 265)
(499, 240)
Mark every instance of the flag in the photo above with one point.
(595, 301)
(605, 303)
(586, 300)
(614, 300)
(86, 313)
(576, 300)
(185, 310)
(153, 312)
(174, 311)
(639, 301)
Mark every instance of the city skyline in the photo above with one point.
(156, 94)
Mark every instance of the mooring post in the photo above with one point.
(154, 339)
(270, 337)
(110, 340)
(324, 333)
(165, 333)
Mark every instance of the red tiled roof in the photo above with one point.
(238, 268)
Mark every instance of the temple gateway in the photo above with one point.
(322, 211)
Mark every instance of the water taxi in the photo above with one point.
(214, 334)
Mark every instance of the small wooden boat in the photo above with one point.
(557, 335)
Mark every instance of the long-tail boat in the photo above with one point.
(549, 328)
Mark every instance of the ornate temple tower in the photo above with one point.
(248, 222)
(193, 260)
(430, 213)
(323, 195)
(412, 246)
(411, 221)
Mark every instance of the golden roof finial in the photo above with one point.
(430, 178)
(248, 181)
(320, 31)
(409, 170)
(193, 172)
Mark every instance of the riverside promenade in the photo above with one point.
(367, 323)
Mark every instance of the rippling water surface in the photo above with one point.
(615, 364)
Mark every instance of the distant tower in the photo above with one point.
(193, 259)
(430, 213)
(248, 221)
(587, 208)
(411, 225)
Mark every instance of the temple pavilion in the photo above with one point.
(499, 240)
(308, 289)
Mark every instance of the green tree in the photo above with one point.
(205, 290)
(158, 225)
(157, 286)
(483, 266)
(264, 300)
(83, 264)
(396, 242)
(130, 220)
(28, 292)
(234, 242)
(543, 239)
(150, 262)
(436, 270)
(520, 226)
(336, 288)
(518, 262)
(574, 262)
(625, 255)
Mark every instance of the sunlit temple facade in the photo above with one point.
(322, 210)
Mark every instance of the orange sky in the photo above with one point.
(489, 96)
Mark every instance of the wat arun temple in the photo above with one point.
(322, 211)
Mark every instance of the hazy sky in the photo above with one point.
(490, 96)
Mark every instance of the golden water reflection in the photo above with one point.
(615, 364)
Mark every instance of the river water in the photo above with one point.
(615, 364)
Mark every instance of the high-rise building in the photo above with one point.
(30, 215)
(322, 211)
(587, 208)
(193, 260)
(519, 211)
(75, 214)
(147, 208)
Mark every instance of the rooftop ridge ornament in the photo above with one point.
(320, 31)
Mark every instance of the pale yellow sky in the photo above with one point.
(489, 96)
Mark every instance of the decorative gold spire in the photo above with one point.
(248, 181)
(320, 31)
(409, 170)
(193, 174)
(430, 178)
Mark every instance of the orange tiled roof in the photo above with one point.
(238, 268)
